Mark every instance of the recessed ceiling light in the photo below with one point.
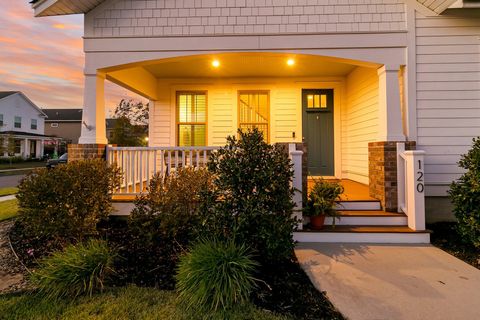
(290, 62)
(215, 63)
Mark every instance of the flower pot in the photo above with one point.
(317, 222)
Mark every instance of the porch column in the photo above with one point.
(389, 115)
(26, 149)
(93, 118)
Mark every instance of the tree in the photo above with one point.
(135, 112)
(131, 127)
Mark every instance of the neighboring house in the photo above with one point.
(347, 79)
(110, 126)
(64, 123)
(22, 121)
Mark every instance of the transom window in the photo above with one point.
(18, 122)
(317, 101)
(191, 119)
(33, 125)
(253, 111)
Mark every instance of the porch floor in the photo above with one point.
(354, 191)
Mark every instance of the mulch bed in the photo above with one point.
(12, 273)
(288, 290)
(446, 237)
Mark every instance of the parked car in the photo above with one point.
(52, 163)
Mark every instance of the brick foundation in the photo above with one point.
(382, 171)
(86, 151)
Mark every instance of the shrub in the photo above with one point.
(252, 197)
(67, 202)
(465, 195)
(322, 197)
(164, 221)
(79, 269)
(215, 277)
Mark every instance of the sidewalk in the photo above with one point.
(393, 281)
(10, 197)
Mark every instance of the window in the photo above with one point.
(18, 122)
(191, 119)
(33, 125)
(253, 111)
(1, 120)
(317, 101)
(54, 125)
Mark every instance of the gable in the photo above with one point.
(44, 8)
(26, 101)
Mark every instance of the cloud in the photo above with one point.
(43, 57)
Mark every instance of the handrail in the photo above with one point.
(140, 164)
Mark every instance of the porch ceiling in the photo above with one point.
(248, 65)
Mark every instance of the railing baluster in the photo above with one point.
(169, 167)
(198, 158)
(141, 172)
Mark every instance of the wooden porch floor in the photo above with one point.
(354, 191)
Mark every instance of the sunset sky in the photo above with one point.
(43, 58)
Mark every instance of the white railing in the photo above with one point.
(140, 164)
(411, 186)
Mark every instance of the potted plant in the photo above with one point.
(321, 202)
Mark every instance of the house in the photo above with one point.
(382, 93)
(22, 122)
(64, 123)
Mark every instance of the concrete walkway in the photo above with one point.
(393, 281)
(10, 197)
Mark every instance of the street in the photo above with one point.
(10, 181)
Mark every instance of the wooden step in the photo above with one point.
(368, 218)
(362, 205)
(363, 234)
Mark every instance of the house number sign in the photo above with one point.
(420, 185)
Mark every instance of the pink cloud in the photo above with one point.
(43, 57)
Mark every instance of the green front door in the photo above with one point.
(318, 130)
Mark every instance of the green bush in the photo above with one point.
(78, 270)
(322, 197)
(465, 195)
(164, 221)
(252, 197)
(68, 201)
(215, 277)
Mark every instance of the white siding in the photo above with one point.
(448, 93)
(161, 124)
(142, 18)
(17, 105)
(359, 122)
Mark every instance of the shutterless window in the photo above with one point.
(18, 122)
(191, 119)
(253, 111)
(54, 125)
(33, 125)
(1, 120)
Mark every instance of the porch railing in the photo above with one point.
(140, 164)
(411, 186)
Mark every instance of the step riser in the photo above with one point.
(351, 237)
(368, 221)
(358, 205)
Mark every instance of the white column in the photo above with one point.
(93, 119)
(26, 149)
(296, 158)
(415, 197)
(389, 109)
(42, 147)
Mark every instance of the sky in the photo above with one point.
(43, 58)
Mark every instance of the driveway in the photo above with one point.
(393, 281)
(10, 181)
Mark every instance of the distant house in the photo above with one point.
(64, 123)
(67, 124)
(22, 121)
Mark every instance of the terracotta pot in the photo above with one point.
(317, 222)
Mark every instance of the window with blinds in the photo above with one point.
(191, 119)
(253, 111)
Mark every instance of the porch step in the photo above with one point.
(368, 218)
(358, 205)
(363, 234)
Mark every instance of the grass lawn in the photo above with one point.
(446, 237)
(22, 165)
(8, 209)
(8, 191)
(119, 303)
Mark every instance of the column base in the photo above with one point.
(382, 172)
(86, 151)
